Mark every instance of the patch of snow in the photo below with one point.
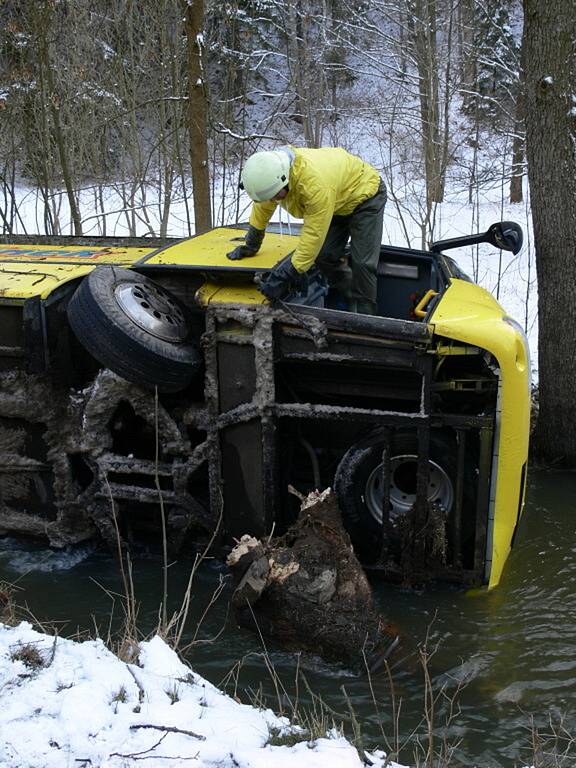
(82, 705)
(107, 50)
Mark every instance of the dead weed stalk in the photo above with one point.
(553, 745)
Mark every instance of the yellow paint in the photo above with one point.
(210, 249)
(67, 254)
(470, 314)
(36, 270)
(211, 293)
(23, 281)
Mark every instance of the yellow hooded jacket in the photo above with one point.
(323, 183)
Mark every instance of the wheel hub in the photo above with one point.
(153, 310)
(403, 472)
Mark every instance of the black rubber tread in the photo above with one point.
(117, 343)
(355, 468)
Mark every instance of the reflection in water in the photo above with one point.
(505, 655)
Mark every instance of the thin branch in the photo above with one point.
(168, 729)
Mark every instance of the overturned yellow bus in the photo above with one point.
(144, 380)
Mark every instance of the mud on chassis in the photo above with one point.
(286, 395)
(414, 486)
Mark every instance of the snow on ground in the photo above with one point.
(67, 703)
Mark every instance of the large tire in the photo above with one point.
(136, 328)
(357, 486)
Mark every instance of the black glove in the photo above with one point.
(252, 243)
(282, 281)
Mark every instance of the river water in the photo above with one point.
(499, 662)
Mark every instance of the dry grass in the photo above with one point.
(121, 696)
(8, 608)
(552, 746)
(30, 656)
(287, 737)
(173, 692)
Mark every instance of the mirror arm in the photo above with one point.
(458, 242)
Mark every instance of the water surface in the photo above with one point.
(501, 658)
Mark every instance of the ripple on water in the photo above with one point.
(20, 560)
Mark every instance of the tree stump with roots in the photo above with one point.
(307, 591)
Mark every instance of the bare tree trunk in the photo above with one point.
(44, 27)
(198, 115)
(61, 143)
(467, 54)
(550, 74)
(516, 192)
(427, 63)
(298, 65)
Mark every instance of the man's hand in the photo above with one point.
(252, 243)
(282, 281)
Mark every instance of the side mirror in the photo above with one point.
(506, 235)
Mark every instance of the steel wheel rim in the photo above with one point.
(153, 310)
(403, 487)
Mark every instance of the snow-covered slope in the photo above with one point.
(67, 703)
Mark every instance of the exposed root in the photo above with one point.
(307, 590)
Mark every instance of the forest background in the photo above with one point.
(125, 117)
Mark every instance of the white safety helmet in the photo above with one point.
(266, 173)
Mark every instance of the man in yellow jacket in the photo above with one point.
(340, 198)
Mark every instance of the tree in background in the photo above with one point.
(491, 89)
(550, 74)
(154, 92)
(316, 57)
(490, 58)
(198, 113)
(51, 99)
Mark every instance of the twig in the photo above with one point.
(168, 729)
(268, 662)
(215, 595)
(141, 691)
(375, 700)
(145, 756)
(128, 583)
(162, 517)
(158, 757)
(358, 739)
(271, 534)
(179, 619)
(144, 752)
(53, 652)
(296, 493)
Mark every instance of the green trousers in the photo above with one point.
(354, 276)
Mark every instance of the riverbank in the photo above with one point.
(67, 703)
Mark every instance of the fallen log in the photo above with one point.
(307, 591)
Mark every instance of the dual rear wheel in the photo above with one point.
(359, 486)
